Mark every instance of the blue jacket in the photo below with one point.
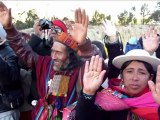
(133, 43)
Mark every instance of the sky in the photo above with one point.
(61, 8)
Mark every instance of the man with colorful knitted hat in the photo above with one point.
(42, 39)
(58, 74)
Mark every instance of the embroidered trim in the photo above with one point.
(114, 93)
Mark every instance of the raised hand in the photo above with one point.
(5, 16)
(109, 30)
(79, 29)
(155, 88)
(37, 28)
(150, 40)
(93, 75)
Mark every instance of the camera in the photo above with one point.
(45, 24)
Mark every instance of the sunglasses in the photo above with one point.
(55, 30)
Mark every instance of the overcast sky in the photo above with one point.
(65, 8)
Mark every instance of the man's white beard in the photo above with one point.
(55, 68)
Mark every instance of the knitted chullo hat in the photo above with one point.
(67, 40)
(60, 24)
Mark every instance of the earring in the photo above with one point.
(122, 84)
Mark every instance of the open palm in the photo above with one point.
(93, 75)
(150, 40)
(109, 28)
(79, 30)
(155, 88)
(5, 16)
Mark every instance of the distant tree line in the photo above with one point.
(124, 18)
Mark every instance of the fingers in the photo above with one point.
(96, 61)
(91, 63)
(155, 89)
(86, 69)
(96, 64)
(108, 23)
(152, 87)
(86, 22)
(79, 16)
(83, 17)
(154, 33)
(147, 34)
(101, 76)
(69, 25)
(103, 28)
(99, 66)
(158, 89)
(151, 28)
(158, 75)
(2, 6)
(105, 24)
(151, 32)
(36, 22)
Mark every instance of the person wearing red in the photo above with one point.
(128, 98)
(57, 74)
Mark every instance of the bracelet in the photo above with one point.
(88, 97)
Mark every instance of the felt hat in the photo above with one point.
(136, 54)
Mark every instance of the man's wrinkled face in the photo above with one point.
(59, 55)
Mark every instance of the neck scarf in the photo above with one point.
(143, 105)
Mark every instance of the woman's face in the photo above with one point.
(135, 77)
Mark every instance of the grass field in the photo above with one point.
(96, 32)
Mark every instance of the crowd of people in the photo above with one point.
(57, 73)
